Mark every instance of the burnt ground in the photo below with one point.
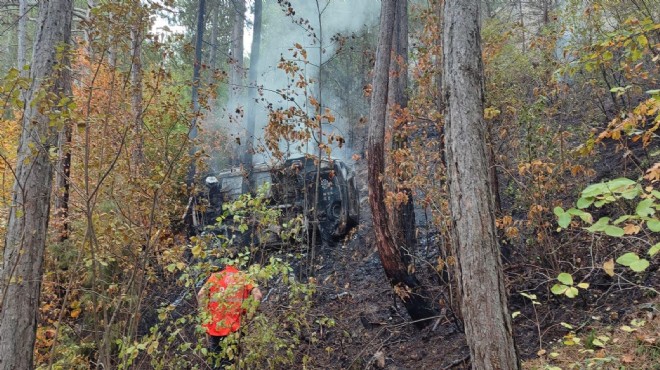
(374, 331)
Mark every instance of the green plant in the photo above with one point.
(612, 191)
(566, 287)
(271, 331)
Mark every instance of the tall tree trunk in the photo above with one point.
(215, 29)
(137, 29)
(480, 276)
(403, 215)
(253, 75)
(405, 284)
(28, 218)
(22, 35)
(62, 176)
(236, 75)
(192, 135)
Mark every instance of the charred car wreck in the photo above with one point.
(292, 190)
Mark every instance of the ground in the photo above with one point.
(373, 330)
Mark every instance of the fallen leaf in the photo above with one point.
(608, 266)
(631, 229)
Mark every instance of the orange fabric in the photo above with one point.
(227, 290)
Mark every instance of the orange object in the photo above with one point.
(227, 290)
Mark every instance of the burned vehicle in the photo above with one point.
(292, 190)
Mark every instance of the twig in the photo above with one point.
(457, 362)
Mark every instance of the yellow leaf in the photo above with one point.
(75, 313)
(608, 266)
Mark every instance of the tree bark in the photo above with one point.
(63, 175)
(403, 215)
(253, 74)
(236, 62)
(28, 217)
(137, 30)
(22, 35)
(405, 284)
(215, 28)
(192, 135)
(479, 271)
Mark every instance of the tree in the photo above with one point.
(480, 275)
(28, 218)
(252, 77)
(137, 32)
(403, 215)
(192, 135)
(22, 33)
(236, 74)
(405, 284)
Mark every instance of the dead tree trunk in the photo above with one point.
(405, 284)
(403, 215)
(28, 219)
(480, 276)
(252, 77)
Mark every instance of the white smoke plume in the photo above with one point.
(280, 33)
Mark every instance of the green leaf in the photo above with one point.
(564, 220)
(515, 314)
(639, 265)
(642, 41)
(571, 292)
(621, 219)
(614, 231)
(645, 208)
(583, 285)
(585, 202)
(558, 289)
(594, 190)
(631, 193)
(585, 216)
(620, 184)
(558, 211)
(627, 259)
(607, 55)
(653, 225)
(654, 250)
(565, 278)
(600, 225)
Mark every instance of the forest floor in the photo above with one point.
(612, 324)
(372, 330)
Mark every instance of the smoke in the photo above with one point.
(282, 29)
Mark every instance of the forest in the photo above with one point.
(392, 184)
